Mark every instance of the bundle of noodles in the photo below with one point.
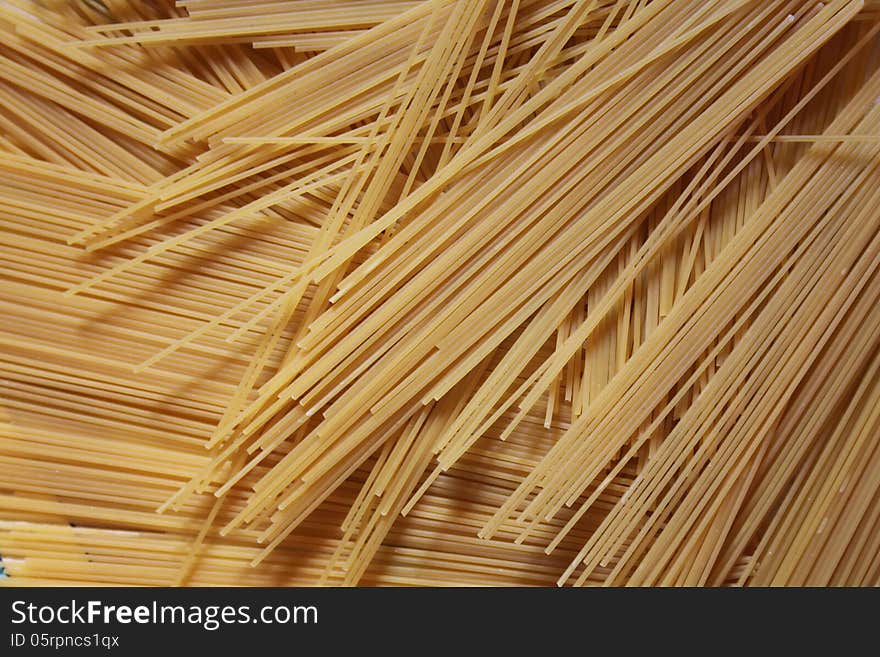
(441, 292)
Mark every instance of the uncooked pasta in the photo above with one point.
(440, 292)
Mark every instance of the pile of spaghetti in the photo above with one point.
(428, 292)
